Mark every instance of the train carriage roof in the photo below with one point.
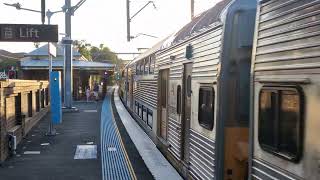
(205, 20)
(148, 52)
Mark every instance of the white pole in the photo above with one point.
(51, 131)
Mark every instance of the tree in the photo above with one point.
(83, 48)
(103, 53)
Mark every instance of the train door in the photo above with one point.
(164, 84)
(186, 111)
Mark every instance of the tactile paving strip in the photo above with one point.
(115, 163)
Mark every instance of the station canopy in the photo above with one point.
(35, 64)
(38, 60)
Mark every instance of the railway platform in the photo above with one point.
(101, 141)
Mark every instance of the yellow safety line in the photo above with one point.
(133, 175)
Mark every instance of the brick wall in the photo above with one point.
(15, 102)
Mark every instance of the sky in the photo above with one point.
(104, 21)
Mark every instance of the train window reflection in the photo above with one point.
(179, 99)
(189, 91)
(151, 65)
(206, 107)
(139, 110)
(280, 122)
(146, 66)
(150, 118)
(141, 70)
(137, 69)
(137, 107)
(144, 114)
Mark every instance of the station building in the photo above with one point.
(35, 66)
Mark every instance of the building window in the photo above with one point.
(281, 122)
(206, 107)
(150, 118)
(179, 99)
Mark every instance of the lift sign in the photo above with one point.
(28, 33)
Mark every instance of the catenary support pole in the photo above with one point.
(68, 58)
(192, 9)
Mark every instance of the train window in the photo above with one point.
(179, 99)
(206, 107)
(137, 107)
(146, 66)
(141, 111)
(150, 118)
(164, 92)
(144, 114)
(137, 69)
(189, 91)
(280, 121)
(151, 65)
(141, 68)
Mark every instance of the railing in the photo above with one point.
(22, 104)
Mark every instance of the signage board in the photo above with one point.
(28, 33)
(52, 49)
(66, 40)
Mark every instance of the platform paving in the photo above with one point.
(157, 164)
(97, 126)
(56, 159)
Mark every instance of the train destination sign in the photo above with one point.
(28, 33)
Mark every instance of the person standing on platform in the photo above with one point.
(88, 93)
(96, 91)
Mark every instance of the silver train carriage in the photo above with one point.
(286, 91)
(204, 77)
(190, 92)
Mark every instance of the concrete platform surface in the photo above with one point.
(40, 157)
(157, 164)
(91, 144)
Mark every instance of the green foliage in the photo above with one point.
(6, 62)
(83, 48)
(103, 53)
